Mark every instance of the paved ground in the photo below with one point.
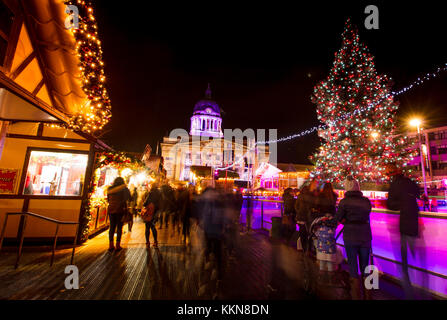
(258, 269)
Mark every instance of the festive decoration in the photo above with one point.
(358, 110)
(96, 113)
(125, 166)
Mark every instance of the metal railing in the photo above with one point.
(21, 232)
(426, 214)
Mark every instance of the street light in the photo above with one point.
(416, 122)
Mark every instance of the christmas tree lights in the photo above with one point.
(358, 110)
(96, 113)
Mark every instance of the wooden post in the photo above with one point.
(54, 244)
(21, 236)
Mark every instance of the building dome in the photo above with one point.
(207, 105)
(206, 119)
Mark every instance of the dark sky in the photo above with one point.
(262, 60)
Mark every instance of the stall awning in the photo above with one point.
(14, 108)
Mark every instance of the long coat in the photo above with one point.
(402, 197)
(353, 212)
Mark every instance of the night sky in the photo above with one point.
(262, 60)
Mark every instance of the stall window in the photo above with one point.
(6, 21)
(55, 173)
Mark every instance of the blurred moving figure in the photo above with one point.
(154, 197)
(167, 206)
(302, 208)
(213, 223)
(402, 196)
(289, 214)
(353, 212)
(117, 196)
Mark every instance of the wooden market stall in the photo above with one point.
(52, 104)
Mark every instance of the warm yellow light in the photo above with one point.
(415, 122)
(375, 135)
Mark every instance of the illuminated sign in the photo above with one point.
(8, 179)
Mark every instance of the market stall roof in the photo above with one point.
(267, 171)
(291, 167)
(55, 45)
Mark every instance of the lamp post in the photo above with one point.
(417, 123)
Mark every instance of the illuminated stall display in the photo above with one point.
(110, 165)
(55, 173)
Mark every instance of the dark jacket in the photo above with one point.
(289, 203)
(305, 208)
(353, 211)
(326, 205)
(212, 214)
(402, 197)
(117, 198)
(155, 198)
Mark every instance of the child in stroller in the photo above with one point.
(322, 235)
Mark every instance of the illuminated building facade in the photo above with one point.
(207, 147)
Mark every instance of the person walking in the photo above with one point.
(402, 196)
(132, 207)
(117, 196)
(213, 222)
(354, 213)
(154, 198)
(288, 224)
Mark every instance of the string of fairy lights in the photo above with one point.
(96, 113)
(419, 81)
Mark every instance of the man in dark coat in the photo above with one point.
(402, 196)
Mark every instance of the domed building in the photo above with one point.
(206, 151)
(206, 119)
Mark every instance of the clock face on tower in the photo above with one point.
(208, 110)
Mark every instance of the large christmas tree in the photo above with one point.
(358, 111)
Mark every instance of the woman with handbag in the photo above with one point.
(150, 214)
(117, 196)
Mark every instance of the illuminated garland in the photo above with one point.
(96, 113)
(357, 107)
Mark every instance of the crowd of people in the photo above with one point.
(315, 209)
(316, 212)
(215, 211)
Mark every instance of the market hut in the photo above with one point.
(53, 103)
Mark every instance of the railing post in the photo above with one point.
(262, 215)
(21, 236)
(54, 244)
(74, 243)
(3, 231)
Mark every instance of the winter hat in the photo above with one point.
(351, 184)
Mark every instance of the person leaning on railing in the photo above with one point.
(354, 213)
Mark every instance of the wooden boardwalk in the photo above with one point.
(258, 269)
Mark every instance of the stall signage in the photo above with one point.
(8, 179)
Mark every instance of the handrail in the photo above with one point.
(21, 232)
(42, 217)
